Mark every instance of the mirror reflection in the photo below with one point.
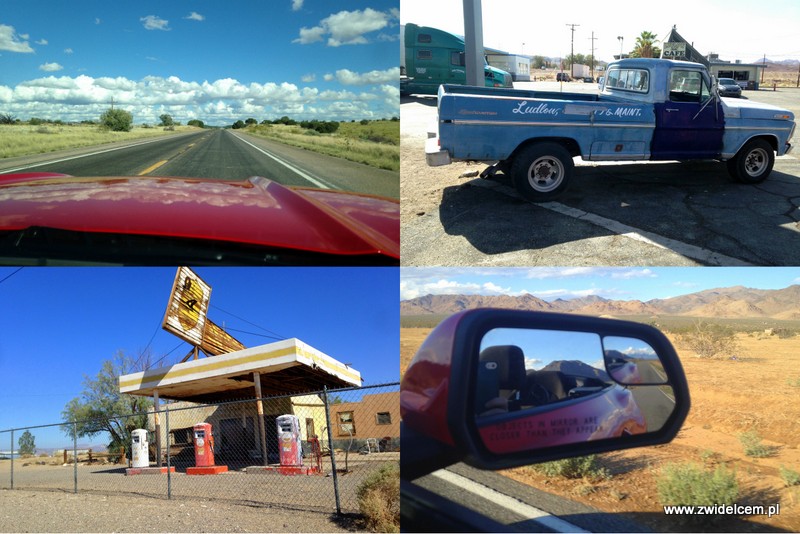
(541, 388)
(632, 361)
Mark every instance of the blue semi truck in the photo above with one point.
(646, 109)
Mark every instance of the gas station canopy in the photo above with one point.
(283, 367)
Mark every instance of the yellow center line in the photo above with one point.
(153, 167)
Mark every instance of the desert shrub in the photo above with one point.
(708, 340)
(789, 476)
(577, 467)
(117, 120)
(691, 485)
(379, 499)
(753, 447)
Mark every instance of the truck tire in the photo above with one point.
(542, 171)
(753, 163)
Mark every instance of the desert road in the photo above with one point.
(216, 154)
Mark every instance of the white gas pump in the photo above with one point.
(289, 440)
(140, 448)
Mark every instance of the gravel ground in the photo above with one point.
(57, 511)
(108, 501)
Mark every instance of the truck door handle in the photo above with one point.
(670, 110)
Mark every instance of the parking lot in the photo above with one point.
(652, 213)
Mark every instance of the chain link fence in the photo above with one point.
(315, 460)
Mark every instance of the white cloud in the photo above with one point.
(68, 51)
(195, 16)
(152, 22)
(41, 42)
(297, 5)
(310, 35)
(329, 77)
(216, 102)
(308, 78)
(348, 77)
(50, 67)
(494, 288)
(10, 41)
(347, 27)
(97, 21)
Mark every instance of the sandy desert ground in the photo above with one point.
(758, 391)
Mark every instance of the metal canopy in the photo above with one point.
(284, 367)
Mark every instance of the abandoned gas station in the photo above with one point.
(201, 390)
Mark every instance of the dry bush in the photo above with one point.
(709, 340)
(379, 499)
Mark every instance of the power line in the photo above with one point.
(250, 323)
(12, 274)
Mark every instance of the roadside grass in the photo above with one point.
(586, 467)
(26, 139)
(376, 143)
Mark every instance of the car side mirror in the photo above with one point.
(503, 388)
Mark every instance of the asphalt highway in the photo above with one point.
(223, 155)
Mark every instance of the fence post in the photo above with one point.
(333, 453)
(12, 459)
(169, 469)
(75, 454)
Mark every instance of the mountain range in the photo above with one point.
(729, 302)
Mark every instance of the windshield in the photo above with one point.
(126, 91)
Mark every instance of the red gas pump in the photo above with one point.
(203, 445)
(204, 452)
(289, 440)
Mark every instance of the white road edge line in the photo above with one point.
(6, 171)
(509, 503)
(679, 247)
(316, 181)
(684, 249)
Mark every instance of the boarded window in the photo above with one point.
(347, 424)
(383, 418)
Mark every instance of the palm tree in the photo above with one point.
(645, 46)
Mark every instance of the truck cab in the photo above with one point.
(432, 57)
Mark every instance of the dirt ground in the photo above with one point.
(758, 391)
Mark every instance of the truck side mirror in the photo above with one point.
(503, 388)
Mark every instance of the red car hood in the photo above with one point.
(256, 211)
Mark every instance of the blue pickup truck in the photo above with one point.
(646, 109)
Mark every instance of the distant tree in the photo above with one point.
(196, 122)
(100, 403)
(645, 46)
(35, 121)
(285, 120)
(395, 119)
(538, 62)
(265, 121)
(166, 120)
(7, 118)
(238, 124)
(26, 444)
(117, 120)
(250, 121)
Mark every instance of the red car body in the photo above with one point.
(255, 212)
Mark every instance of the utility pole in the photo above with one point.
(473, 42)
(572, 48)
(593, 38)
(112, 103)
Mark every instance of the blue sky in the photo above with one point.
(58, 325)
(210, 60)
(616, 283)
(734, 29)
